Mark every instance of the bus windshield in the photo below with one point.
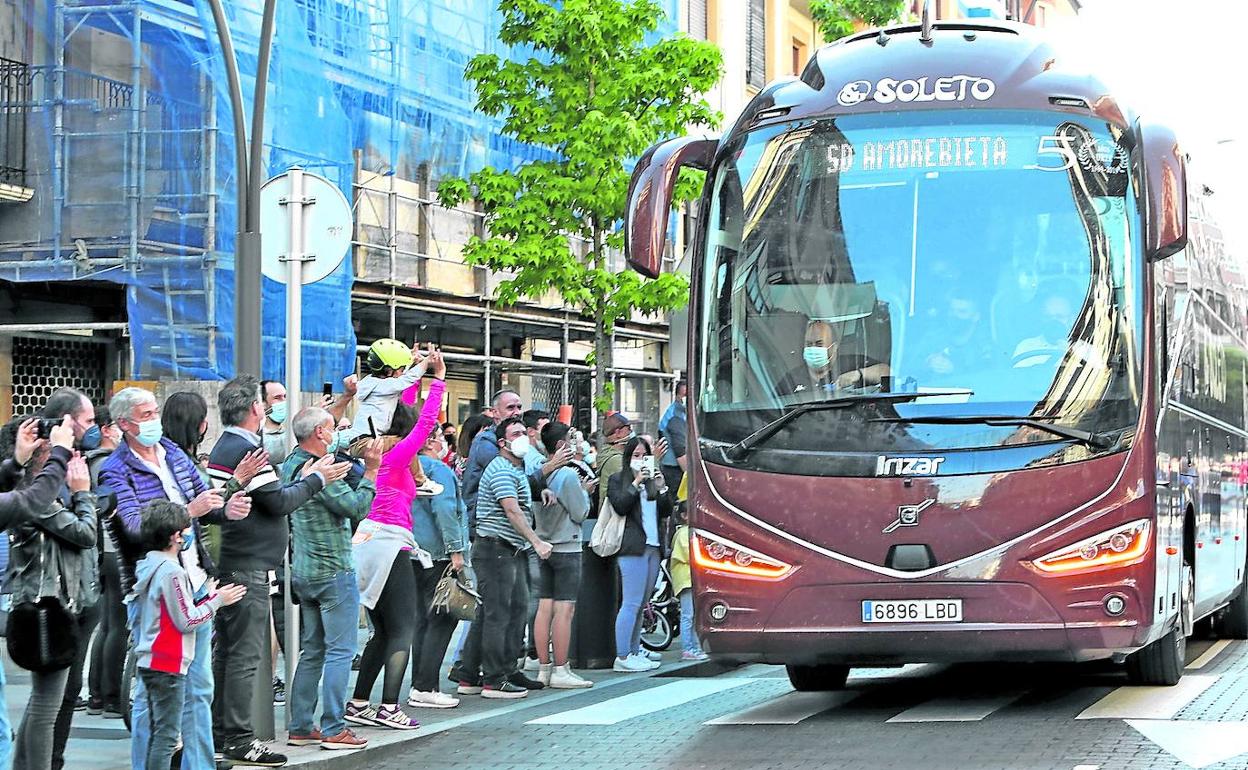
(987, 259)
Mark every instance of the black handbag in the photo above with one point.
(455, 597)
(42, 635)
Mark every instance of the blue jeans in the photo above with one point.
(688, 637)
(197, 746)
(329, 610)
(6, 730)
(637, 577)
(166, 697)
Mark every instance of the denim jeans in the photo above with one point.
(242, 637)
(688, 637)
(501, 579)
(87, 620)
(329, 610)
(637, 577)
(197, 745)
(6, 730)
(166, 694)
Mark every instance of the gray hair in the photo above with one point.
(499, 395)
(123, 404)
(308, 420)
(236, 399)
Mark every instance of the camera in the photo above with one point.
(46, 424)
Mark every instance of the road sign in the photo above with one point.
(326, 228)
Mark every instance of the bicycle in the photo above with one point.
(660, 616)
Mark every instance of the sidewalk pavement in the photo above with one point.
(97, 743)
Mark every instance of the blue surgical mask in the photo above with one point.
(188, 539)
(91, 439)
(335, 444)
(591, 457)
(277, 412)
(150, 432)
(816, 357)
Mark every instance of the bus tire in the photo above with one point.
(1161, 663)
(817, 678)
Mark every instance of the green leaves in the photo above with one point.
(836, 17)
(597, 95)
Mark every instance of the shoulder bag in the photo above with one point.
(42, 635)
(608, 530)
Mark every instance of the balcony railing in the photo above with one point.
(15, 97)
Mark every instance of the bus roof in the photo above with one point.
(964, 65)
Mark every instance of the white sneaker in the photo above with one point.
(630, 665)
(430, 488)
(651, 655)
(641, 658)
(532, 665)
(543, 673)
(431, 700)
(564, 678)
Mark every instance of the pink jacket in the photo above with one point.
(396, 489)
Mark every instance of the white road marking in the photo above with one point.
(648, 701)
(969, 708)
(1198, 744)
(1209, 655)
(1149, 702)
(788, 709)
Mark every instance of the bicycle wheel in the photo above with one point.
(656, 630)
(129, 675)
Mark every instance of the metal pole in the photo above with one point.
(294, 336)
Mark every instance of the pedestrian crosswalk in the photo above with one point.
(903, 697)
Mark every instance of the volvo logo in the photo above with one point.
(908, 515)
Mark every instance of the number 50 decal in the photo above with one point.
(1059, 150)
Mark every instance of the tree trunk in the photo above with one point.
(603, 351)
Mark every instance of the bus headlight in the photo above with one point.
(1116, 547)
(711, 552)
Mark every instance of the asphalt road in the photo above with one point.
(1060, 717)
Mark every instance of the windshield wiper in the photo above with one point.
(739, 450)
(1092, 439)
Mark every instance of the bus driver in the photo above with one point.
(826, 367)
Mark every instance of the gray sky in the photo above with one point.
(1183, 62)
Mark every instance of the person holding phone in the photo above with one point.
(641, 496)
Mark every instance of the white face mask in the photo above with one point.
(637, 464)
(519, 446)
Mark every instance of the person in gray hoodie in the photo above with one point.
(558, 520)
(167, 619)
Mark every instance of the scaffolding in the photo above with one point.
(130, 161)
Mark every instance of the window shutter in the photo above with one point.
(756, 44)
(697, 19)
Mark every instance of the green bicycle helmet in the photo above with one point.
(388, 354)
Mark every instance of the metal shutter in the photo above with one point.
(697, 19)
(756, 44)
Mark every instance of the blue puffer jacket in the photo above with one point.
(136, 485)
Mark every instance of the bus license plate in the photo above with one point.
(912, 611)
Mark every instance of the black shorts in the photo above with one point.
(560, 577)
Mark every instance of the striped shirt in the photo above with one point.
(500, 481)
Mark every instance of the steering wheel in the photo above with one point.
(1045, 353)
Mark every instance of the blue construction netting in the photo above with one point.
(130, 114)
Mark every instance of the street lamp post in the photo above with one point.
(249, 173)
(247, 274)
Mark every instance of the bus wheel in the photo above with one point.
(817, 678)
(1161, 663)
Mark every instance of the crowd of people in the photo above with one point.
(123, 536)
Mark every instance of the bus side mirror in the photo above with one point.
(1165, 183)
(650, 198)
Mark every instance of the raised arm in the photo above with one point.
(405, 451)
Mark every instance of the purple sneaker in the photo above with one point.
(395, 718)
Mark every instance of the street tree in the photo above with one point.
(596, 93)
(835, 18)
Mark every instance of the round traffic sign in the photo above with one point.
(327, 227)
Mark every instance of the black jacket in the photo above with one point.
(626, 500)
(63, 562)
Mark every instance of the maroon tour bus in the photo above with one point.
(968, 367)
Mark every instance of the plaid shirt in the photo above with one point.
(321, 528)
